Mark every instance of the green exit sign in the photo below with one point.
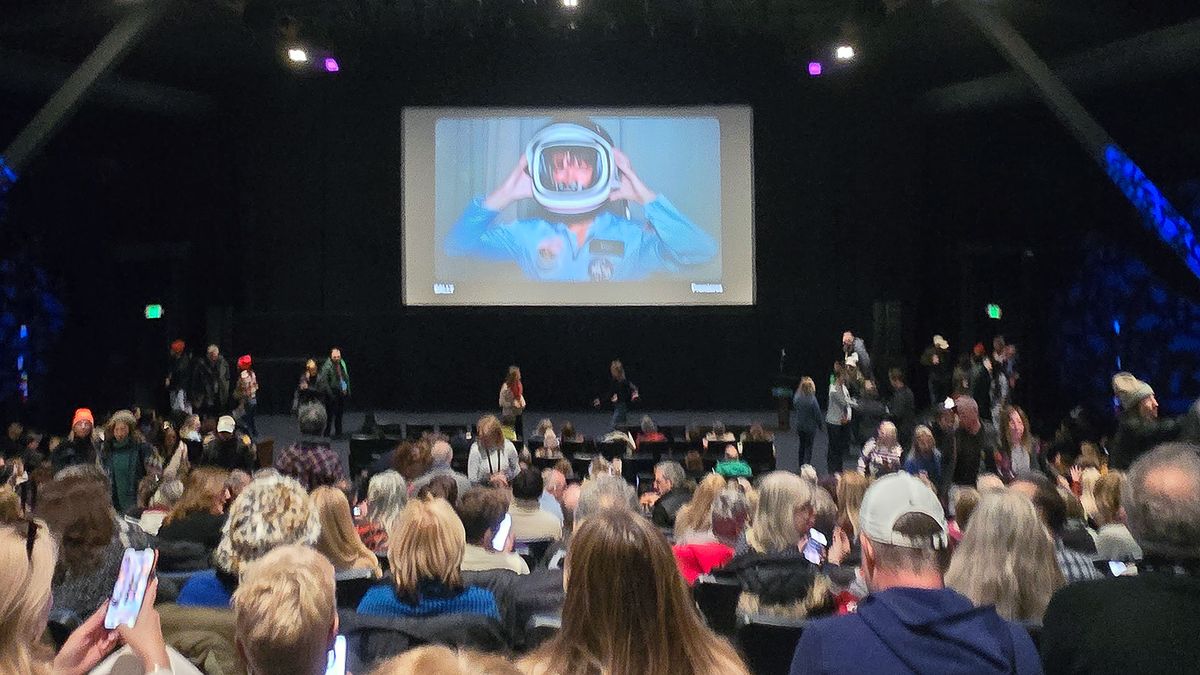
(993, 311)
(154, 311)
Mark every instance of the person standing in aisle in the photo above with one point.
(334, 382)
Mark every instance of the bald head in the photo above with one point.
(603, 493)
(554, 482)
(441, 452)
(1164, 501)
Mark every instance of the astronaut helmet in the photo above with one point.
(571, 164)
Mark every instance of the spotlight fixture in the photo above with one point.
(814, 68)
(570, 4)
(297, 55)
(844, 52)
(331, 65)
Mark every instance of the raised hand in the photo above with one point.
(517, 186)
(631, 187)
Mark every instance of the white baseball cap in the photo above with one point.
(226, 424)
(893, 496)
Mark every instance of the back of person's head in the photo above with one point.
(809, 473)
(312, 418)
(568, 431)
(730, 511)
(441, 660)
(442, 486)
(387, 493)
(902, 528)
(168, 494)
(426, 544)
(1045, 497)
(1163, 507)
(1006, 558)
(696, 515)
(10, 504)
(1108, 492)
(412, 458)
(441, 452)
(825, 511)
(78, 510)
(964, 505)
(784, 512)
(603, 493)
(339, 540)
(205, 485)
(851, 486)
(285, 612)
(27, 561)
(271, 512)
(481, 509)
(627, 609)
(527, 484)
(807, 386)
(986, 482)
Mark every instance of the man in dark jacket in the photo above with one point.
(1139, 427)
(670, 482)
(902, 408)
(227, 448)
(210, 384)
(909, 622)
(82, 445)
(179, 377)
(334, 384)
(1145, 623)
(941, 369)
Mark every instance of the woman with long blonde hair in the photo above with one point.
(851, 487)
(1006, 558)
(695, 517)
(339, 541)
(606, 628)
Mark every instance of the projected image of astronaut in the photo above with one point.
(573, 171)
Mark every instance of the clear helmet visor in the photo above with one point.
(571, 167)
(568, 169)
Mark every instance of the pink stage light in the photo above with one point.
(814, 68)
(331, 65)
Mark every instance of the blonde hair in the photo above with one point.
(442, 660)
(807, 386)
(1006, 558)
(200, 490)
(426, 543)
(1107, 496)
(1087, 484)
(851, 487)
(780, 495)
(284, 609)
(339, 541)
(696, 515)
(24, 596)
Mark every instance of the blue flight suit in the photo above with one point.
(615, 249)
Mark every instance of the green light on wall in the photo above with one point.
(993, 312)
(154, 311)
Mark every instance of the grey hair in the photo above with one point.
(648, 424)
(168, 493)
(387, 494)
(85, 470)
(780, 495)
(1006, 558)
(729, 503)
(441, 452)
(672, 471)
(1163, 508)
(312, 417)
(604, 492)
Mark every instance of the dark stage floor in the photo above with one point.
(590, 423)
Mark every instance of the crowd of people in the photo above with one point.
(955, 543)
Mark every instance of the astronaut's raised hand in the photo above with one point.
(631, 187)
(517, 186)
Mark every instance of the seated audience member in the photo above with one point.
(966, 500)
(623, 437)
(1017, 452)
(848, 494)
(414, 459)
(199, 515)
(695, 517)
(173, 450)
(529, 521)
(272, 511)
(1145, 623)
(909, 622)
(776, 578)
(925, 458)
(881, 454)
(986, 482)
(481, 510)
(441, 454)
(425, 556)
(757, 434)
(441, 660)
(442, 487)
(1086, 487)
(606, 628)
(554, 483)
(1113, 539)
(700, 552)
(605, 492)
(569, 435)
(339, 540)
(493, 458)
(77, 508)
(671, 485)
(285, 613)
(650, 432)
(238, 480)
(386, 498)
(27, 563)
(1006, 559)
(719, 435)
(227, 448)
(168, 494)
(693, 466)
(311, 460)
(1075, 566)
(1076, 534)
(733, 466)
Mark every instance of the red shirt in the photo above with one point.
(696, 559)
